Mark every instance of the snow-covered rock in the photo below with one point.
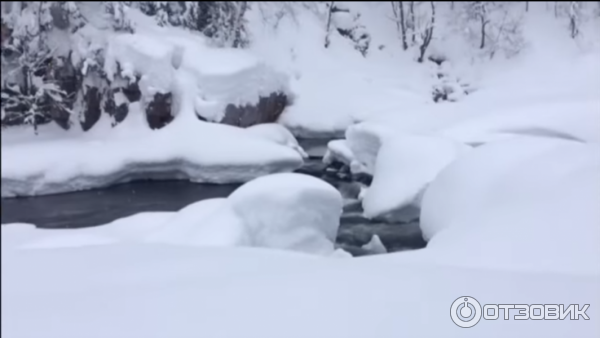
(375, 246)
(404, 167)
(364, 140)
(185, 149)
(278, 134)
(289, 211)
(528, 203)
(206, 223)
(338, 151)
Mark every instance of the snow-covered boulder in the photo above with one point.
(277, 133)
(209, 222)
(289, 211)
(528, 203)
(375, 246)
(145, 57)
(404, 167)
(338, 151)
(364, 140)
(247, 94)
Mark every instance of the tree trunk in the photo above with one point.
(412, 21)
(328, 24)
(428, 34)
(403, 24)
(526, 6)
(483, 24)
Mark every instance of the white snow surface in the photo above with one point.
(206, 223)
(338, 151)
(197, 151)
(145, 290)
(289, 211)
(364, 140)
(513, 221)
(578, 120)
(405, 165)
(528, 203)
(278, 134)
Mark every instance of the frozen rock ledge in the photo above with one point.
(200, 152)
(175, 169)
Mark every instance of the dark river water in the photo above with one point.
(97, 207)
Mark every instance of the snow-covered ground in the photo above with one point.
(509, 222)
(157, 291)
(515, 220)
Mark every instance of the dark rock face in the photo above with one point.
(66, 76)
(267, 110)
(159, 110)
(60, 16)
(132, 91)
(118, 113)
(91, 107)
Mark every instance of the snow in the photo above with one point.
(528, 203)
(281, 211)
(156, 291)
(356, 87)
(289, 211)
(278, 134)
(338, 151)
(364, 140)
(514, 220)
(375, 246)
(577, 120)
(85, 161)
(405, 165)
(206, 81)
(206, 223)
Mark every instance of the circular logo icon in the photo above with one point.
(465, 311)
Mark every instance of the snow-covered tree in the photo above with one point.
(117, 12)
(492, 27)
(222, 21)
(30, 93)
(66, 15)
(330, 7)
(426, 33)
(574, 18)
(348, 25)
(399, 18)
(164, 12)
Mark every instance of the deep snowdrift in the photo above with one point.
(206, 223)
(157, 291)
(529, 203)
(404, 167)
